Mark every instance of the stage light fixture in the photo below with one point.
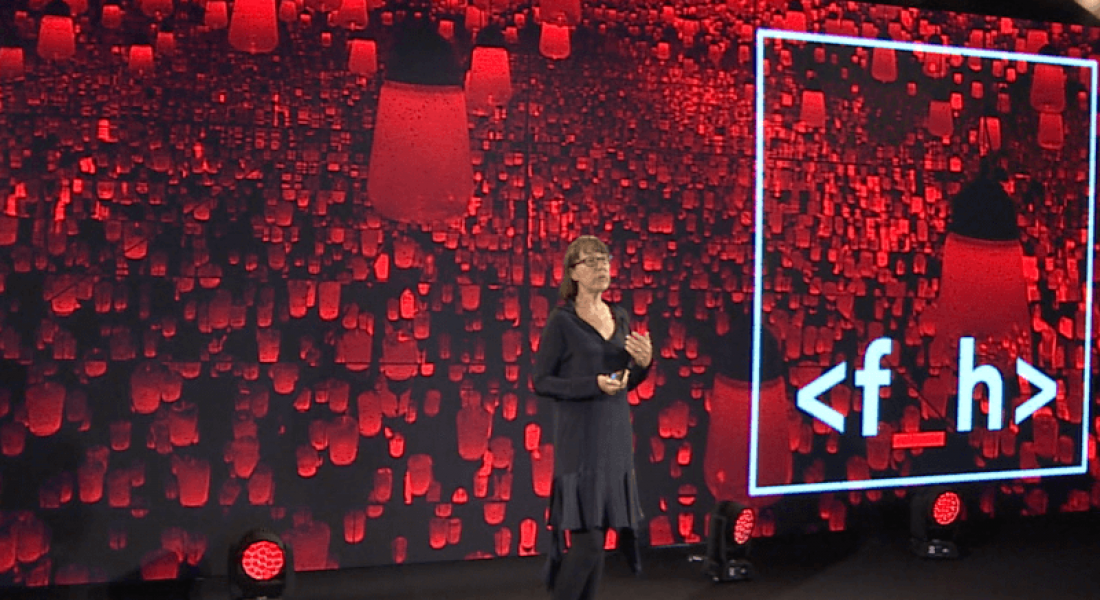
(934, 522)
(260, 566)
(728, 538)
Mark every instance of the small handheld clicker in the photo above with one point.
(617, 374)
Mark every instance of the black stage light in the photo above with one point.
(728, 537)
(260, 566)
(935, 516)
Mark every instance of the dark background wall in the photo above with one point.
(207, 325)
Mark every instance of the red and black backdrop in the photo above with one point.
(261, 266)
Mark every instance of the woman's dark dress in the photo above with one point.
(594, 484)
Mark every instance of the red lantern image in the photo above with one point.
(1051, 131)
(489, 80)
(166, 43)
(983, 292)
(11, 63)
(935, 65)
(562, 12)
(363, 57)
(141, 58)
(989, 134)
(420, 164)
(77, 7)
(884, 65)
(45, 407)
(217, 14)
(795, 19)
(56, 38)
(941, 122)
(726, 458)
(476, 18)
(111, 18)
(352, 15)
(1048, 88)
(288, 11)
(554, 42)
(254, 28)
(812, 113)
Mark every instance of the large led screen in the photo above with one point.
(286, 264)
(909, 278)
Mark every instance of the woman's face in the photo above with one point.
(592, 271)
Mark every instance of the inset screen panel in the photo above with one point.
(922, 234)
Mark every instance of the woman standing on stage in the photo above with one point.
(587, 361)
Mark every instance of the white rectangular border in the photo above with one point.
(762, 35)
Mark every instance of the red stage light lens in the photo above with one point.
(742, 529)
(946, 508)
(263, 560)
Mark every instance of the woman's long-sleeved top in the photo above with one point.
(594, 484)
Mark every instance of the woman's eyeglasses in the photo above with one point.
(594, 261)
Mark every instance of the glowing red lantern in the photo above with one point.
(812, 113)
(563, 12)
(254, 28)
(11, 63)
(447, 29)
(795, 19)
(884, 65)
(45, 408)
(56, 38)
(976, 40)
(725, 462)
(111, 17)
(141, 58)
(217, 14)
(476, 18)
(489, 80)
(420, 163)
(941, 121)
(166, 43)
(554, 42)
(352, 15)
(363, 57)
(983, 294)
(664, 51)
(1051, 133)
(1048, 88)
(288, 11)
(935, 65)
(989, 134)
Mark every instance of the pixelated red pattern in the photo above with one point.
(205, 314)
(263, 560)
(865, 252)
(946, 508)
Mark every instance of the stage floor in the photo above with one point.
(1031, 559)
(1054, 558)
